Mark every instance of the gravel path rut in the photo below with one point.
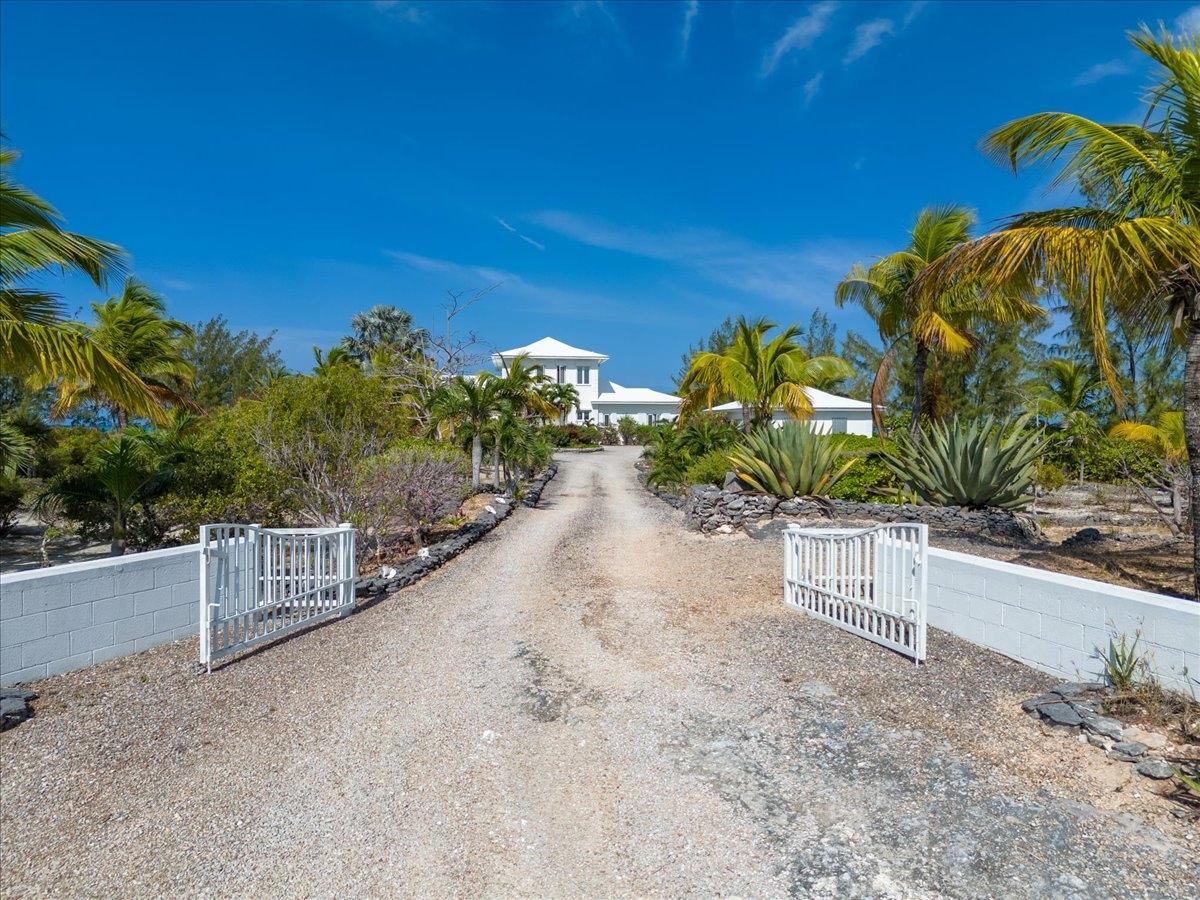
(591, 702)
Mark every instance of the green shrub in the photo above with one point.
(1048, 476)
(870, 481)
(1097, 457)
(711, 468)
(572, 435)
(707, 432)
(974, 463)
(627, 427)
(792, 461)
(12, 490)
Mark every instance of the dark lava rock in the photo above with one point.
(1127, 751)
(1033, 703)
(1061, 714)
(1158, 769)
(1102, 725)
(1077, 688)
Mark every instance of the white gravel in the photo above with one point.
(590, 702)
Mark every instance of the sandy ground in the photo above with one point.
(590, 702)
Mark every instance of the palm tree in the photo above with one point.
(763, 375)
(382, 327)
(469, 403)
(1067, 394)
(1166, 436)
(35, 342)
(521, 385)
(561, 396)
(134, 328)
(932, 322)
(123, 473)
(1132, 246)
(326, 362)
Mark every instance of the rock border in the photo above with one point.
(413, 569)
(14, 706)
(710, 509)
(1073, 708)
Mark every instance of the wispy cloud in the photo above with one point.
(586, 13)
(691, 9)
(914, 10)
(176, 284)
(812, 87)
(804, 273)
(1188, 21)
(800, 34)
(512, 229)
(540, 298)
(406, 11)
(868, 36)
(1103, 70)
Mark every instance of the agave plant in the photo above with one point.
(976, 463)
(792, 461)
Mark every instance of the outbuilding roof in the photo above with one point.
(821, 400)
(611, 392)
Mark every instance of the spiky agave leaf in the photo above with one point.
(977, 463)
(792, 461)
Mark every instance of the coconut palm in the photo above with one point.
(469, 403)
(326, 362)
(35, 342)
(932, 322)
(561, 396)
(135, 329)
(521, 384)
(1066, 391)
(762, 375)
(1132, 246)
(1166, 436)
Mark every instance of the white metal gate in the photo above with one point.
(870, 581)
(258, 583)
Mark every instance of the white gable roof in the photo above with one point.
(615, 393)
(549, 348)
(821, 400)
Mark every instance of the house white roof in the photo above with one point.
(549, 348)
(611, 392)
(821, 400)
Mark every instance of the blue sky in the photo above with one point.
(629, 173)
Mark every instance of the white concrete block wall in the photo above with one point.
(67, 617)
(1061, 624)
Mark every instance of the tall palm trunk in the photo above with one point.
(496, 465)
(117, 547)
(879, 387)
(746, 418)
(1191, 424)
(920, 367)
(476, 458)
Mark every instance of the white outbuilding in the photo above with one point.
(831, 414)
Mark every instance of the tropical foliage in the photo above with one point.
(792, 461)
(976, 464)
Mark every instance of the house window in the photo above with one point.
(560, 374)
(839, 426)
(583, 375)
(652, 418)
(539, 370)
(607, 418)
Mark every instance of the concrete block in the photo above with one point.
(152, 600)
(972, 629)
(10, 602)
(1040, 599)
(1068, 634)
(986, 610)
(111, 609)
(89, 639)
(1080, 606)
(95, 586)
(1042, 653)
(1025, 621)
(69, 618)
(104, 654)
(1080, 665)
(1001, 639)
(69, 663)
(1178, 632)
(44, 597)
(131, 629)
(1003, 587)
(29, 673)
(184, 631)
(185, 593)
(22, 630)
(170, 619)
(137, 577)
(151, 640)
(36, 653)
(10, 659)
(176, 573)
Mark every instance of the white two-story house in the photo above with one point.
(605, 402)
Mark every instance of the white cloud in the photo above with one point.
(799, 35)
(1189, 21)
(868, 36)
(531, 241)
(541, 298)
(804, 273)
(512, 229)
(690, 11)
(1101, 71)
(812, 87)
(401, 11)
(914, 10)
(504, 224)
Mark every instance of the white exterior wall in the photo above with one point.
(67, 617)
(858, 421)
(587, 392)
(639, 412)
(1061, 624)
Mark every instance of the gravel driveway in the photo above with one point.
(590, 702)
